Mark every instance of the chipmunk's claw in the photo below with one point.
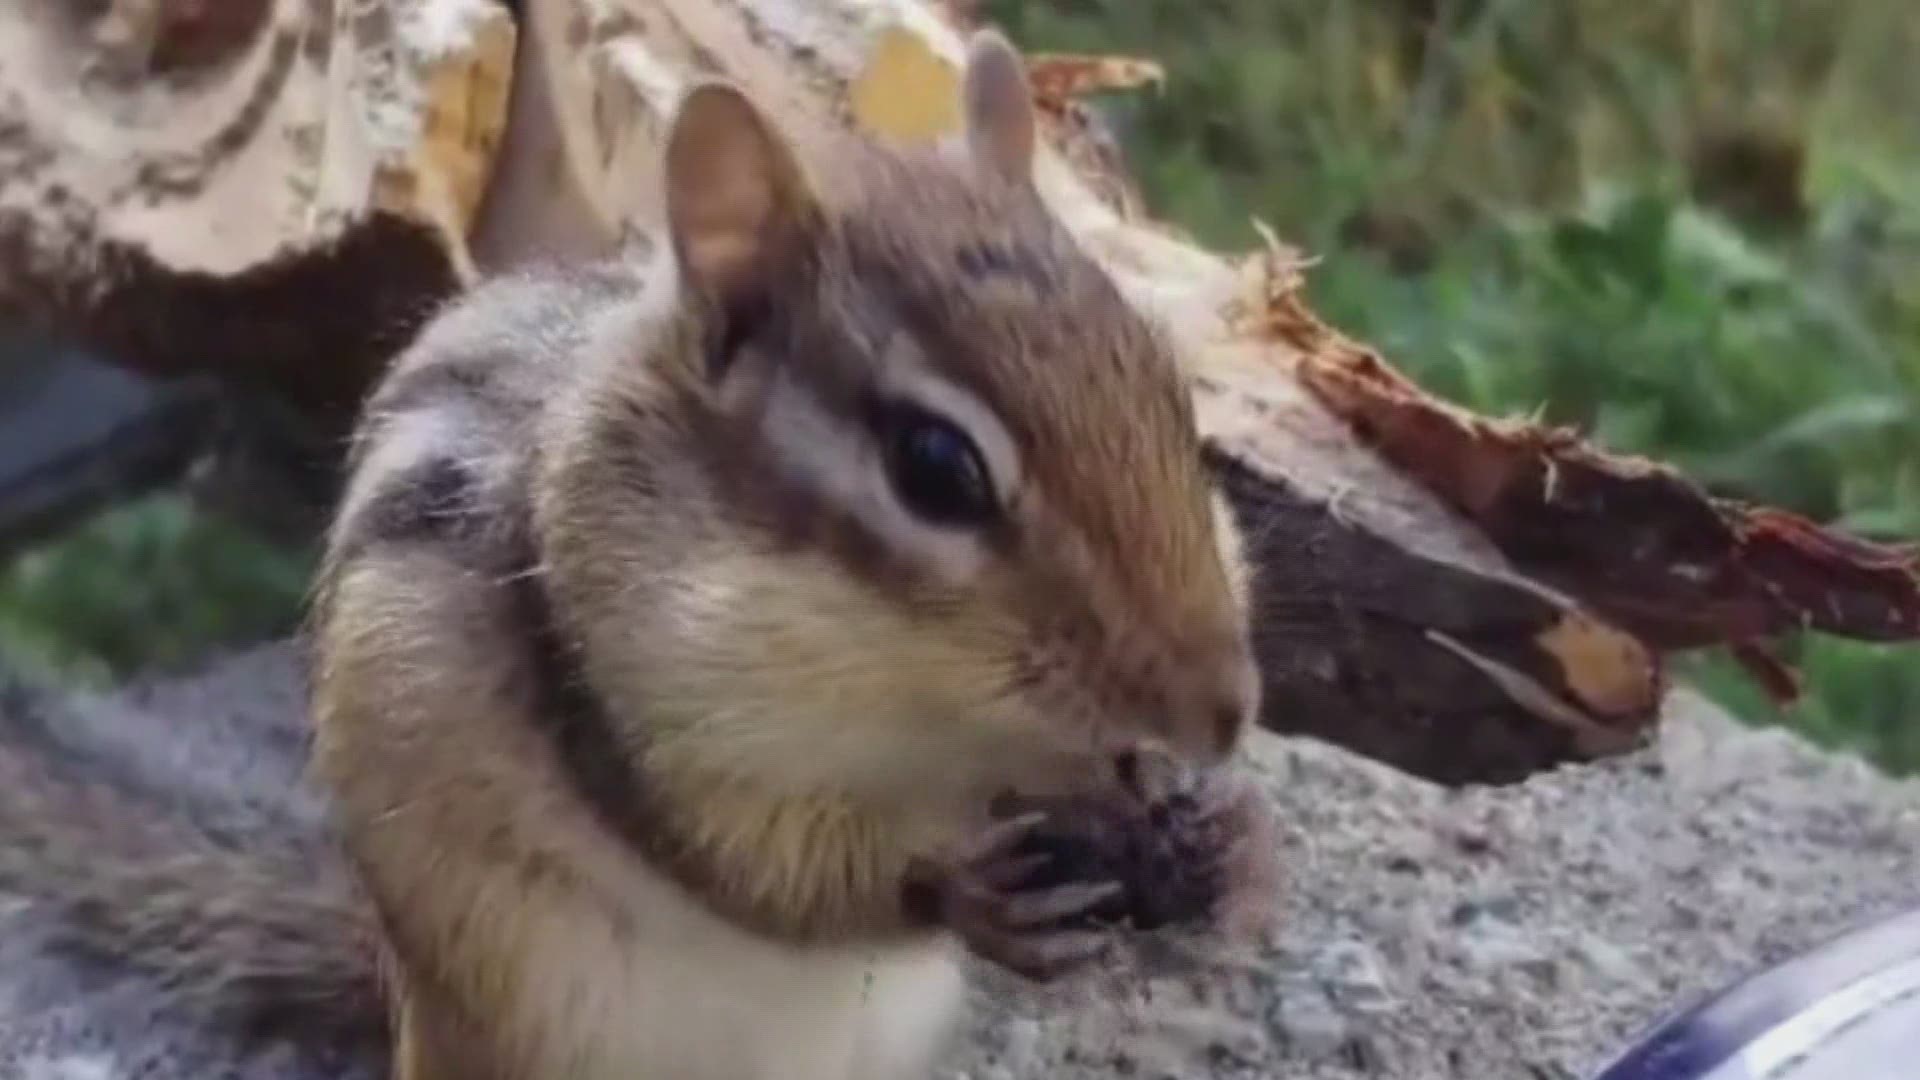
(990, 893)
(1188, 848)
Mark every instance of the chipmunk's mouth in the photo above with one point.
(1157, 778)
(1133, 768)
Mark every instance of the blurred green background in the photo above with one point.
(1690, 228)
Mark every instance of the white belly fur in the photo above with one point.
(707, 1000)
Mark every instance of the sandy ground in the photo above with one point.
(1526, 932)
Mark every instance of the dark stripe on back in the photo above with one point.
(576, 720)
(430, 500)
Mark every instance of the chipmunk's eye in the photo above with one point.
(935, 468)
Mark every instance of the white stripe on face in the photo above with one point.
(905, 375)
(838, 458)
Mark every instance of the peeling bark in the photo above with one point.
(1631, 538)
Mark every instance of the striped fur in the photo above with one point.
(636, 686)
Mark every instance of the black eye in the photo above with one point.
(935, 468)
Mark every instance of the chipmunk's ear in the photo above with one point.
(999, 107)
(739, 208)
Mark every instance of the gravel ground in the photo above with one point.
(1525, 932)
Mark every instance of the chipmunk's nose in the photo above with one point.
(1225, 697)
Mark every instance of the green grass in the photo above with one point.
(148, 586)
(1691, 229)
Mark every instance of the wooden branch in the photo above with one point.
(375, 163)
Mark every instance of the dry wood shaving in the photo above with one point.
(1060, 77)
(1632, 538)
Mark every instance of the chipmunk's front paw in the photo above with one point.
(991, 894)
(1188, 849)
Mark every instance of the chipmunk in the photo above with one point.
(684, 615)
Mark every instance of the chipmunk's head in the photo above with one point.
(961, 515)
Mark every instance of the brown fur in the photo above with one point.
(604, 674)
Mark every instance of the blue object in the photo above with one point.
(1847, 1010)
